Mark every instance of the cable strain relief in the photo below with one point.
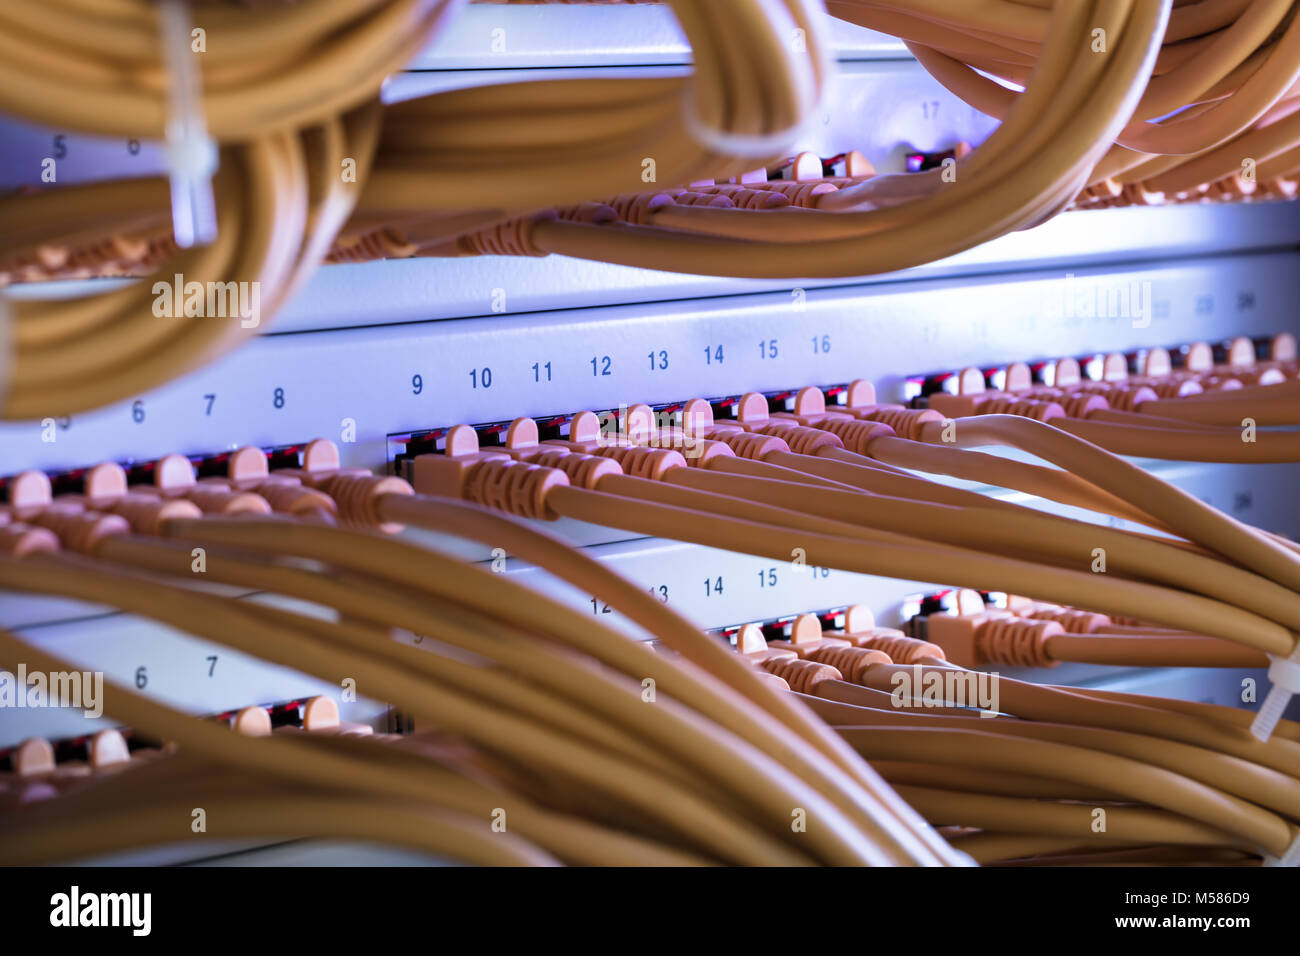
(1081, 405)
(82, 531)
(1027, 408)
(804, 195)
(714, 200)
(583, 471)
(1127, 398)
(380, 244)
(18, 540)
(706, 452)
(746, 198)
(222, 501)
(637, 208)
(752, 445)
(1020, 642)
(906, 422)
(147, 514)
(516, 487)
(514, 237)
(292, 498)
(599, 213)
(802, 439)
(856, 433)
(357, 498)
(774, 680)
(802, 676)
(900, 648)
(852, 662)
(643, 462)
(1072, 619)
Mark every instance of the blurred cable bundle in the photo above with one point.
(676, 748)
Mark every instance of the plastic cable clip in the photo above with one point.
(1284, 672)
(191, 153)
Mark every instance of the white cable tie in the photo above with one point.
(1284, 672)
(191, 153)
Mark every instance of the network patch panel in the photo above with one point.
(286, 388)
(367, 383)
(385, 358)
(715, 588)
